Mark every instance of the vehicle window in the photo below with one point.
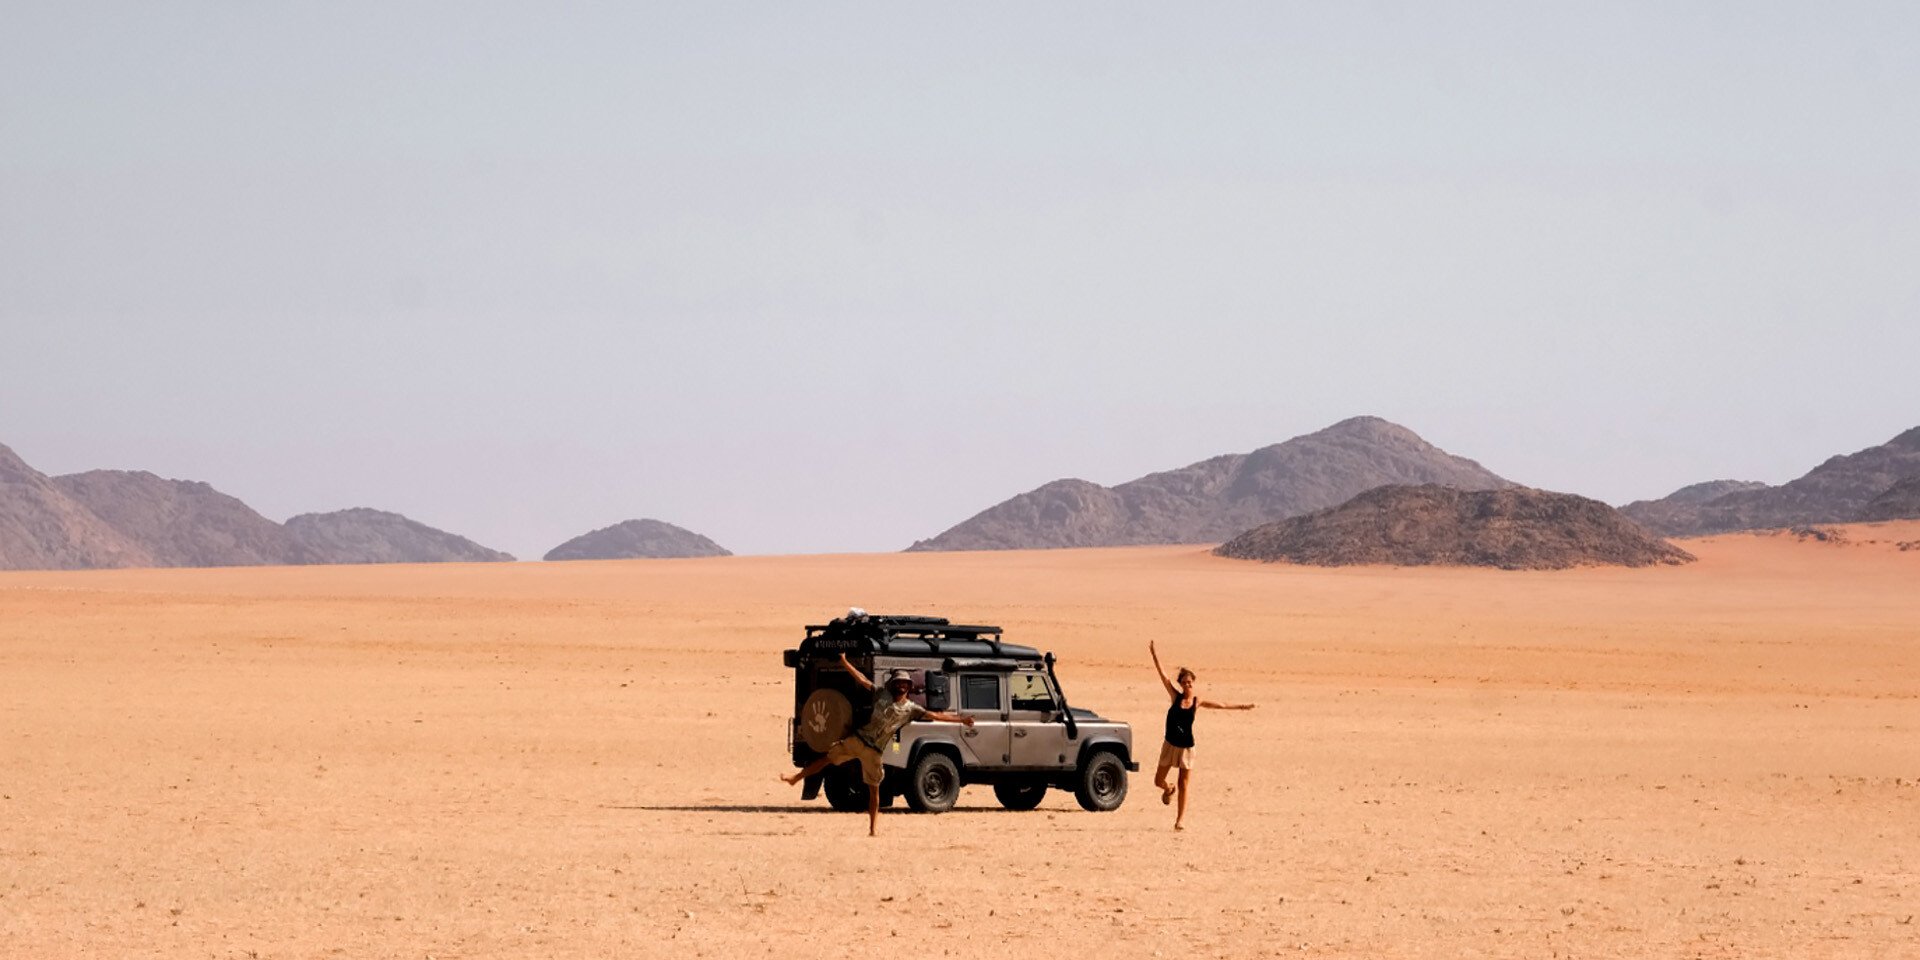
(980, 693)
(1030, 692)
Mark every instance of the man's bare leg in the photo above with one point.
(1185, 776)
(873, 809)
(808, 771)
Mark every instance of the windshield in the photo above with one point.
(1030, 692)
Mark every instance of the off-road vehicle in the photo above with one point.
(1025, 738)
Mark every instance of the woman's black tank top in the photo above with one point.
(1180, 723)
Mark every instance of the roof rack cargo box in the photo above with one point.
(897, 635)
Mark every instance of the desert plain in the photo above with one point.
(579, 760)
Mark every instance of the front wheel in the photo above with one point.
(934, 784)
(1103, 783)
(1020, 796)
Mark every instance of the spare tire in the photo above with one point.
(824, 718)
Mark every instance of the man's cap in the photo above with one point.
(899, 676)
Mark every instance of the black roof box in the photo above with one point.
(909, 636)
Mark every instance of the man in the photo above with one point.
(891, 711)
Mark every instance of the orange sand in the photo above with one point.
(579, 760)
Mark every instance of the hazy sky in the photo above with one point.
(824, 277)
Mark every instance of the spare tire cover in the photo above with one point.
(824, 718)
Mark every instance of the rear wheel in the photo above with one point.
(1103, 782)
(1020, 795)
(845, 790)
(934, 783)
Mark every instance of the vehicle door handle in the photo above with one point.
(971, 732)
(1019, 733)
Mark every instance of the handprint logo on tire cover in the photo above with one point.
(823, 719)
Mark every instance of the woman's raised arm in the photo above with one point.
(1162, 671)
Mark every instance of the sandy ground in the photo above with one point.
(579, 760)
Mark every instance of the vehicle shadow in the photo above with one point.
(773, 808)
(718, 808)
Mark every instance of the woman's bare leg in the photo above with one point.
(1160, 781)
(1185, 776)
(873, 809)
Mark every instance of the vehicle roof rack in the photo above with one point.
(883, 629)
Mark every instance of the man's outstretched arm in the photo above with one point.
(944, 717)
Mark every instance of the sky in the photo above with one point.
(834, 277)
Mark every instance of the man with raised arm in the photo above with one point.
(891, 711)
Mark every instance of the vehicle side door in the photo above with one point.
(1038, 735)
(983, 696)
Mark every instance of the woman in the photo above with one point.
(1178, 749)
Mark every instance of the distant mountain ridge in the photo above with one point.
(182, 523)
(1899, 502)
(120, 518)
(365, 535)
(1512, 529)
(1837, 491)
(1219, 497)
(126, 518)
(41, 528)
(1713, 490)
(637, 540)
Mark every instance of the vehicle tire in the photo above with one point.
(934, 783)
(845, 790)
(1103, 782)
(1020, 795)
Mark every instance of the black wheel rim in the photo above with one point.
(1105, 782)
(934, 784)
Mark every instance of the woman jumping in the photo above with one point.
(1178, 750)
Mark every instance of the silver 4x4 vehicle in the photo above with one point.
(1025, 738)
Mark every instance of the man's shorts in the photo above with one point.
(854, 748)
(1172, 756)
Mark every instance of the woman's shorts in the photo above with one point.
(854, 748)
(1172, 756)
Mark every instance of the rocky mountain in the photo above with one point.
(1216, 498)
(182, 523)
(1063, 513)
(1900, 502)
(41, 528)
(1676, 509)
(635, 539)
(120, 518)
(1712, 490)
(362, 535)
(1429, 525)
(1837, 491)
